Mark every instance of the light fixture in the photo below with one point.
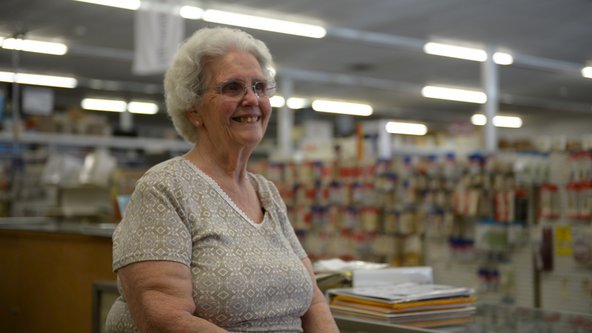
(125, 4)
(502, 58)
(587, 72)
(263, 23)
(277, 101)
(191, 12)
(478, 120)
(453, 51)
(229, 18)
(98, 104)
(466, 53)
(142, 107)
(498, 121)
(454, 94)
(36, 46)
(39, 80)
(408, 128)
(295, 103)
(354, 109)
(117, 105)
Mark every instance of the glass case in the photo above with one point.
(489, 318)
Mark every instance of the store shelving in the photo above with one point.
(75, 140)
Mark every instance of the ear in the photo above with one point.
(194, 118)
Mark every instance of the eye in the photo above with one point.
(232, 88)
(260, 88)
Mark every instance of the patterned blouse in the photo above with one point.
(247, 277)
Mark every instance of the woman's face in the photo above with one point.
(233, 122)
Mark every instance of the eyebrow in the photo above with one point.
(253, 80)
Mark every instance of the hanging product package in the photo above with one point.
(98, 167)
(62, 169)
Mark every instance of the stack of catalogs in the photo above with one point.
(327, 281)
(411, 304)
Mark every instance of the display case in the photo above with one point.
(489, 318)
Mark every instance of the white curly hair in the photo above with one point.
(186, 78)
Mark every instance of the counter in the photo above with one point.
(490, 318)
(53, 273)
(51, 225)
(47, 270)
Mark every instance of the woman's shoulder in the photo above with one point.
(261, 180)
(175, 169)
(266, 187)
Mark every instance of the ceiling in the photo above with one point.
(372, 52)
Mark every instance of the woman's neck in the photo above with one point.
(228, 169)
(220, 164)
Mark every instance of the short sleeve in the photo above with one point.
(153, 226)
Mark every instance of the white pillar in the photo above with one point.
(490, 82)
(126, 121)
(285, 120)
(16, 95)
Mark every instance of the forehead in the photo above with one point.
(235, 64)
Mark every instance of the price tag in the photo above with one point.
(563, 243)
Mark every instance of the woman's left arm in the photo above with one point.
(318, 318)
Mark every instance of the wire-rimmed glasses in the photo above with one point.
(238, 89)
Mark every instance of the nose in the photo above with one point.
(250, 95)
(250, 89)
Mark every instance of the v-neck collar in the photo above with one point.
(263, 197)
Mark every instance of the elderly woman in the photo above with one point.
(204, 245)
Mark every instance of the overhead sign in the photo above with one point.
(158, 32)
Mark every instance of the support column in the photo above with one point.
(126, 121)
(490, 83)
(285, 120)
(16, 95)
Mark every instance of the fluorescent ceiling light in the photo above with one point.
(467, 53)
(39, 80)
(34, 46)
(453, 94)
(6, 77)
(354, 109)
(507, 121)
(125, 4)
(453, 51)
(262, 23)
(191, 12)
(498, 121)
(97, 104)
(277, 101)
(502, 58)
(587, 72)
(297, 103)
(142, 107)
(397, 127)
(478, 120)
(293, 103)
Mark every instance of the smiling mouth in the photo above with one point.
(247, 119)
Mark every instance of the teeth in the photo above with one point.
(251, 119)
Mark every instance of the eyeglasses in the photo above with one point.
(238, 89)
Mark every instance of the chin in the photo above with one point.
(251, 140)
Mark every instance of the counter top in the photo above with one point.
(490, 318)
(44, 224)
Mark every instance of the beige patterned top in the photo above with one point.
(247, 277)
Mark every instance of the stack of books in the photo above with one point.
(411, 304)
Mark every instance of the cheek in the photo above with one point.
(266, 110)
(266, 115)
(220, 110)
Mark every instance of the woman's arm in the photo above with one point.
(318, 318)
(159, 297)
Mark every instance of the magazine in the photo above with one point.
(422, 305)
(404, 292)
